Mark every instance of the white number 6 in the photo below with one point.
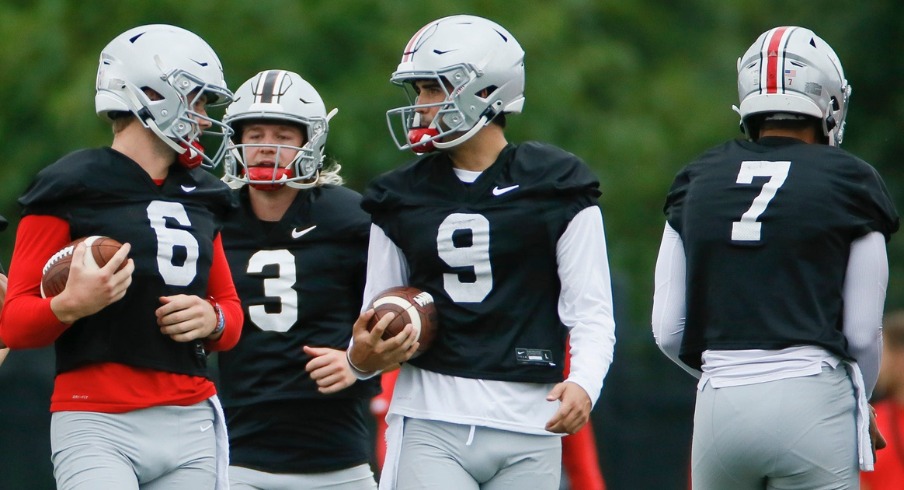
(170, 238)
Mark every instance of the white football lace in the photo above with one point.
(65, 251)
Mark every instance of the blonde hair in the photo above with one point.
(329, 174)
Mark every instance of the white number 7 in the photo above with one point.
(748, 229)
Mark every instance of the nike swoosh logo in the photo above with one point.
(498, 191)
(204, 428)
(187, 188)
(296, 233)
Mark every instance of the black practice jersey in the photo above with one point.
(486, 251)
(300, 281)
(171, 229)
(767, 229)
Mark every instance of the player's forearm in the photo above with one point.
(585, 301)
(669, 298)
(222, 290)
(865, 283)
(27, 320)
(28, 323)
(386, 266)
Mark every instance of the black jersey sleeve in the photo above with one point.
(550, 170)
(674, 201)
(872, 197)
(56, 184)
(391, 189)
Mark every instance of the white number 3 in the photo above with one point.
(748, 229)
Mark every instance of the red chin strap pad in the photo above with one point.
(192, 156)
(417, 135)
(266, 174)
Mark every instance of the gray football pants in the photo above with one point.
(152, 449)
(439, 455)
(796, 433)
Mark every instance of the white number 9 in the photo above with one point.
(476, 256)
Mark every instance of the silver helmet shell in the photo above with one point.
(791, 70)
(479, 64)
(176, 64)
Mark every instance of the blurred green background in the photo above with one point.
(635, 88)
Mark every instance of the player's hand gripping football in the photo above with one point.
(574, 409)
(185, 317)
(329, 369)
(91, 288)
(370, 352)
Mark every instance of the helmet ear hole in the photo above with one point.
(486, 92)
(830, 123)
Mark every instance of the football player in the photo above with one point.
(771, 276)
(509, 240)
(297, 249)
(133, 405)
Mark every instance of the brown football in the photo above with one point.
(410, 305)
(56, 270)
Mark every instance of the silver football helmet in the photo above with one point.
(791, 70)
(179, 66)
(277, 96)
(478, 63)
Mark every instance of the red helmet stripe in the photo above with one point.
(774, 54)
(410, 47)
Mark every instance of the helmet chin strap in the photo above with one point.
(465, 137)
(306, 184)
(425, 140)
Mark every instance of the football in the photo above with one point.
(56, 271)
(410, 305)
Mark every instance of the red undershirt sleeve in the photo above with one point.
(222, 290)
(27, 320)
